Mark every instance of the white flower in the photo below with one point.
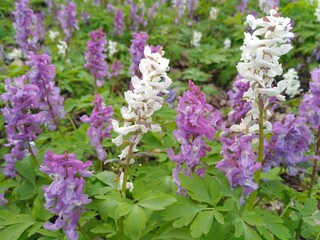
(196, 39)
(227, 43)
(214, 13)
(53, 35)
(62, 48)
(259, 64)
(317, 12)
(267, 5)
(143, 100)
(129, 185)
(293, 87)
(15, 54)
(112, 48)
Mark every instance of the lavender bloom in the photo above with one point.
(152, 11)
(68, 20)
(3, 200)
(172, 96)
(26, 37)
(267, 5)
(136, 51)
(192, 6)
(310, 105)
(118, 22)
(100, 125)
(22, 126)
(242, 6)
(195, 121)
(115, 69)
(110, 8)
(135, 19)
(95, 56)
(42, 75)
(85, 17)
(289, 143)
(238, 162)
(39, 29)
(239, 106)
(180, 6)
(64, 195)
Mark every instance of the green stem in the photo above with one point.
(126, 170)
(260, 153)
(33, 155)
(83, 232)
(121, 228)
(313, 180)
(71, 121)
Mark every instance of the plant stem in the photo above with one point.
(33, 155)
(71, 121)
(313, 180)
(260, 153)
(83, 232)
(126, 170)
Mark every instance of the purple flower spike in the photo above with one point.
(96, 55)
(289, 144)
(100, 125)
(239, 163)
(42, 75)
(22, 126)
(118, 23)
(239, 106)
(136, 51)
(192, 6)
(195, 121)
(242, 6)
(26, 26)
(64, 196)
(135, 19)
(152, 11)
(3, 200)
(68, 20)
(310, 105)
(115, 68)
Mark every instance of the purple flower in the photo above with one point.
(310, 105)
(180, 6)
(3, 200)
(239, 106)
(39, 29)
(238, 162)
(172, 96)
(22, 125)
(42, 75)
(195, 121)
(192, 6)
(110, 8)
(26, 33)
(95, 56)
(115, 68)
(135, 19)
(85, 17)
(242, 6)
(118, 23)
(152, 11)
(100, 125)
(136, 51)
(64, 196)
(289, 143)
(68, 20)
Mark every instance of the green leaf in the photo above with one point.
(108, 178)
(310, 206)
(279, 230)
(156, 201)
(202, 223)
(196, 75)
(103, 228)
(253, 219)
(196, 188)
(215, 193)
(13, 232)
(135, 223)
(218, 216)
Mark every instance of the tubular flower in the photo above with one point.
(135, 19)
(137, 47)
(22, 126)
(260, 64)
(118, 22)
(42, 75)
(143, 100)
(195, 122)
(180, 6)
(310, 105)
(239, 106)
(100, 125)
(64, 196)
(196, 39)
(239, 162)
(68, 20)
(26, 23)
(292, 78)
(242, 6)
(96, 55)
(192, 6)
(289, 143)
